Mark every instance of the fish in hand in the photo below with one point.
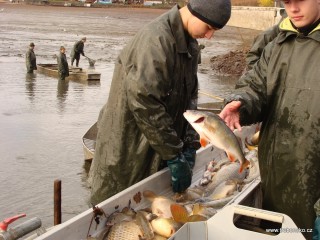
(212, 129)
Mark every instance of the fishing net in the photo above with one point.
(91, 62)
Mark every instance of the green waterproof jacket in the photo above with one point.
(31, 61)
(259, 44)
(282, 90)
(63, 66)
(154, 82)
(261, 41)
(77, 50)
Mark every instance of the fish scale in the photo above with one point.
(125, 231)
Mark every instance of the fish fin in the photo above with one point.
(196, 209)
(149, 195)
(196, 218)
(203, 142)
(231, 157)
(179, 213)
(244, 165)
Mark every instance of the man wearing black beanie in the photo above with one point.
(141, 129)
(216, 13)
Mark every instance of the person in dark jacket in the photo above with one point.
(262, 40)
(31, 60)
(141, 129)
(282, 92)
(78, 48)
(63, 66)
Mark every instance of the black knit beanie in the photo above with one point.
(216, 13)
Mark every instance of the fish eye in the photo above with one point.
(199, 120)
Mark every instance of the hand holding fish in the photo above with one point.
(230, 114)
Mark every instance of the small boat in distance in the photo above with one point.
(75, 73)
(89, 142)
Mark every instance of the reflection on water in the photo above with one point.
(62, 93)
(43, 122)
(94, 83)
(30, 85)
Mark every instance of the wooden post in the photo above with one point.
(57, 202)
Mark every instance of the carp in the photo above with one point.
(227, 172)
(213, 129)
(160, 205)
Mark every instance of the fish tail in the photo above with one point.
(203, 142)
(245, 164)
(179, 213)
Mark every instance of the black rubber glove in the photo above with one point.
(190, 155)
(181, 174)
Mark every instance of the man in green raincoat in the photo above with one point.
(63, 67)
(78, 48)
(282, 91)
(262, 40)
(141, 129)
(31, 60)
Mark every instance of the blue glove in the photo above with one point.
(190, 155)
(181, 174)
(316, 230)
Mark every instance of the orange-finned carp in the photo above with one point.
(160, 205)
(213, 129)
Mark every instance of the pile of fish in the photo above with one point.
(222, 180)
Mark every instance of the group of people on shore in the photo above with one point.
(63, 66)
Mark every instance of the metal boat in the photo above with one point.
(89, 142)
(75, 73)
(245, 204)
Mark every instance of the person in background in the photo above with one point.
(78, 48)
(262, 40)
(141, 129)
(282, 92)
(63, 66)
(31, 60)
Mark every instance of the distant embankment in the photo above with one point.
(258, 18)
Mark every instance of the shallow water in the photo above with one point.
(43, 120)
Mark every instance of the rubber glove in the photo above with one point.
(190, 155)
(316, 230)
(181, 174)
